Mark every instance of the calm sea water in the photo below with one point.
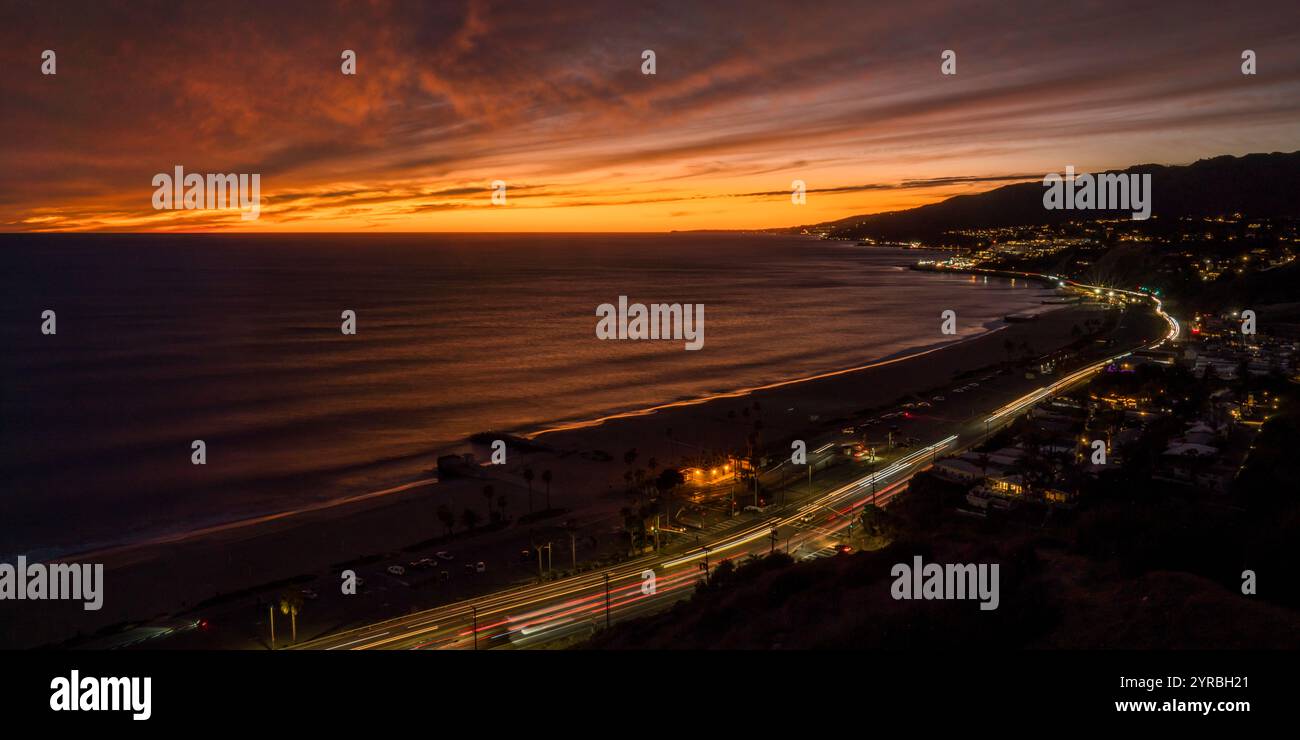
(235, 340)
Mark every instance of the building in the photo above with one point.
(958, 470)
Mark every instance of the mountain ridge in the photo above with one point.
(1254, 185)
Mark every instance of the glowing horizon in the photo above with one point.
(747, 97)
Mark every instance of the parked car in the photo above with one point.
(444, 555)
(396, 570)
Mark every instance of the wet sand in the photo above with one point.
(149, 581)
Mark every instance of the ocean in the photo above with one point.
(236, 341)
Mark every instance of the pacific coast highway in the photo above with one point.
(544, 613)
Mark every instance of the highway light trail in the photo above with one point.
(1034, 397)
(536, 613)
(537, 609)
(764, 530)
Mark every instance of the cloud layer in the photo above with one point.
(550, 98)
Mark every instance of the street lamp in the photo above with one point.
(547, 548)
(607, 600)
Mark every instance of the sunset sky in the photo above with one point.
(549, 97)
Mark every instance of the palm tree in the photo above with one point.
(291, 604)
(469, 518)
(629, 526)
(546, 478)
(488, 493)
(528, 477)
(667, 482)
(501, 505)
(447, 518)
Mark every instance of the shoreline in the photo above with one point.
(375, 496)
(153, 498)
(175, 577)
(900, 356)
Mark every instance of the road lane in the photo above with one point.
(538, 614)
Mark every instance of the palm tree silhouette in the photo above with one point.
(667, 482)
(546, 478)
(291, 604)
(469, 518)
(447, 518)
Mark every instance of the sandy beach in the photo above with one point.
(164, 578)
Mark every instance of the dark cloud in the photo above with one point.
(452, 94)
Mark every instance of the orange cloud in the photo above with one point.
(550, 98)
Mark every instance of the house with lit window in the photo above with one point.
(1006, 484)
